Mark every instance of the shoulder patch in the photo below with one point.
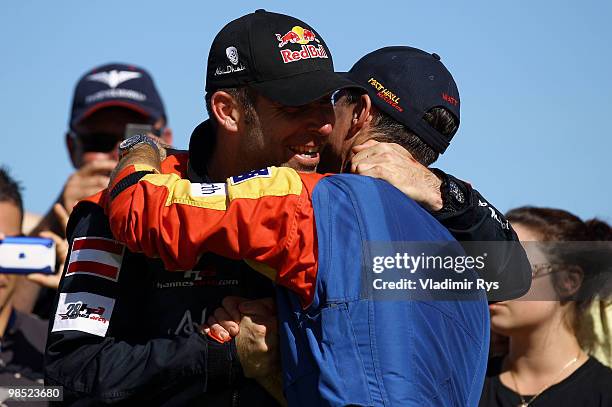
(96, 256)
(85, 312)
(263, 173)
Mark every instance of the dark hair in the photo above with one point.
(244, 96)
(387, 129)
(348, 96)
(561, 226)
(10, 190)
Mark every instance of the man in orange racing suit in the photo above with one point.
(305, 231)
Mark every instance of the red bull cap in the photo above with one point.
(280, 56)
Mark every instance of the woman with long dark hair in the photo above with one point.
(550, 329)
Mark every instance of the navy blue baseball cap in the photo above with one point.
(405, 83)
(116, 84)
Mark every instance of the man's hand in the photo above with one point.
(61, 250)
(223, 324)
(394, 164)
(254, 325)
(142, 154)
(257, 346)
(88, 180)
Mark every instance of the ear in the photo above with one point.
(71, 145)
(363, 112)
(225, 110)
(167, 136)
(569, 281)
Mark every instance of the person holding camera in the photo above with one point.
(22, 335)
(110, 101)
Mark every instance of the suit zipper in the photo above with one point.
(235, 401)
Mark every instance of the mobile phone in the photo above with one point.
(25, 255)
(132, 129)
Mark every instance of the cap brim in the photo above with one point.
(349, 76)
(303, 88)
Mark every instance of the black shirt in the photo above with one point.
(21, 355)
(131, 336)
(590, 385)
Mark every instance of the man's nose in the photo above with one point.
(325, 119)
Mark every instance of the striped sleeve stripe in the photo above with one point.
(110, 259)
(106, 245)
(93, 268)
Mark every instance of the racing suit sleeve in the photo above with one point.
(476, 220)
(264, 216)
(91, 349)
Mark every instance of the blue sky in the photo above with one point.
(535, 79)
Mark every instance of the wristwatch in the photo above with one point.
(454, 193)
(129, 143)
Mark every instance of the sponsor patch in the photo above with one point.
(233, 57)
(263, 173)
(302, 36)
(387, 95)
(114, 78)
(199, 190)
(450, 99)
(96, 256)
(85, 312)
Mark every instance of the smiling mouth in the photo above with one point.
(311, 152)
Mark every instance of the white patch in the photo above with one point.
(85, 312)
(232, 55)
(198, 190)
(114, 78)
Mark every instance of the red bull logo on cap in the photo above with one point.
(303, 36)
(297, 35)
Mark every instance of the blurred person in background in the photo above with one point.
(106, 100)
(548, 361)
(22, 335)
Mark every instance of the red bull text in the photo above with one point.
(307, 52)
(303, 36)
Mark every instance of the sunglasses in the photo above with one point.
(337, 95)
(107, 142)
(543, 269)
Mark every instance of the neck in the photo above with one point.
(360, 137)
(5, 315)
(542, 351)
(224, 161)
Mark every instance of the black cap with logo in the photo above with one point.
(405, 83)
(116, 84)
(280, 56)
